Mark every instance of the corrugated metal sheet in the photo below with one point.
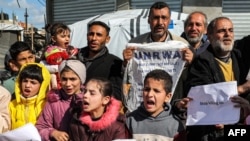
(175, 5)
(239, 12)
(7, 38)
(76, 10)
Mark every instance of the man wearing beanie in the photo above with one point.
(97, 59)
(52, 123)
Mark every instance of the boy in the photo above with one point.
(153, 119)
(20, 54)
(31, 87)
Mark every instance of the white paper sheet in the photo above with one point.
(27, 132)
(211, 104)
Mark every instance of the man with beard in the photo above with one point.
(97, 59)
(219, 63)
(195, 29)
(158, 19)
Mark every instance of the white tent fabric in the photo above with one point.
(124, 25)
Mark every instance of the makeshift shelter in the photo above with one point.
(9, 34)
(124, 25)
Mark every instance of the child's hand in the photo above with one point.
(60, 135)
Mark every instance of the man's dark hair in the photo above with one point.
(159, 74)
(159, 5)
(17, 48)
(101, 24)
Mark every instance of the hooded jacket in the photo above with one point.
(109, 127)
(25, 110)
(56, 113)
(162, 127)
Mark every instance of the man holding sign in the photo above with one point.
(219, 63)
(159, 19)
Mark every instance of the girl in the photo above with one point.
(100, 119)
(30, 92)
(58, 50)
(54, 119)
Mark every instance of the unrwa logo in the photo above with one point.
(157, 55)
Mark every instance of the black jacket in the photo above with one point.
(104, 65)
(206, 70)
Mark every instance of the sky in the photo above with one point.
(35, 9)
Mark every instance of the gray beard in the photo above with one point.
(194, 40)
(220, 49)
(219, 46)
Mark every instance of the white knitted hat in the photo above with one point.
(77, 66)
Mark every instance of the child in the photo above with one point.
(53, 122)
(4, 111)
(20, 54)
(100, 119)
(153, 119)
(58, 50)
(30, 92)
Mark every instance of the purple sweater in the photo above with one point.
(56, 113)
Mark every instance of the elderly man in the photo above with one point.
(219, 63)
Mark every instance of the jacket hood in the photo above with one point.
(108, 117)
(43, 88)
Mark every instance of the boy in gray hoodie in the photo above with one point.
(153, 120)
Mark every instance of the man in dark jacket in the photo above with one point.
(97, 59)
(219, 63)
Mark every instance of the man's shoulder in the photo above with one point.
(141, 38)
(178, 38)
(113, 57)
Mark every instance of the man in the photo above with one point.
(158, 19)
(20, 54)
(219, 63)
(99, 62)
(195, 29)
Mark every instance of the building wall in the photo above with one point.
(72, 11)
(212, 8)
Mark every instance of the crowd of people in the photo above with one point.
(77, 94)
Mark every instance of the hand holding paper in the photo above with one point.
(211, 104)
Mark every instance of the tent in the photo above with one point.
(9, 33)
(124, 25)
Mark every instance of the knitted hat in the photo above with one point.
(77, 66)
